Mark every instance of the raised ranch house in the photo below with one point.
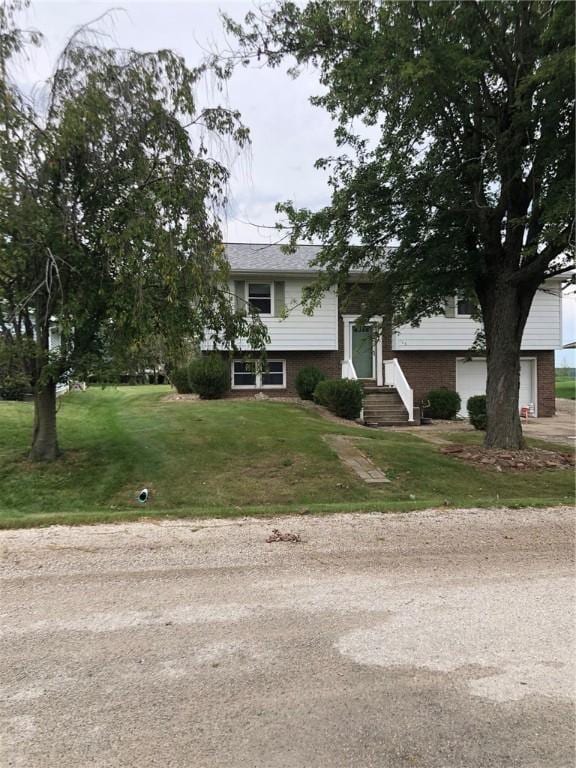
(397, 367)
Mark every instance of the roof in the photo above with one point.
(256, 257)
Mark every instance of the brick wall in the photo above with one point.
(429, 370)
(546, 375)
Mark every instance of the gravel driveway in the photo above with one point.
(432, 639)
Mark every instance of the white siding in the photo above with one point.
(543, 328)
(298, 331)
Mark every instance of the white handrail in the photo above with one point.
(394, 377)
(348, 370)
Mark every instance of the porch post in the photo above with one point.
(379, 362)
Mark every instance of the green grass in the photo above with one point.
(227, 458)
(565, 387)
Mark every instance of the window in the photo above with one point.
(260, 297)
(244, 374)
(273, 375)
(464, 307)
(247, 374)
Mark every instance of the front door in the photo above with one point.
(363, 351)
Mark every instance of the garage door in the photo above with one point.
(471, 380)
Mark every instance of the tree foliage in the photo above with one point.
(456, 123)
(110, 197)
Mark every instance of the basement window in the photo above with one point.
(247, 374)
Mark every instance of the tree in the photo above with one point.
(458, 121)
(109, 213)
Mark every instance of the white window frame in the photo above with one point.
(258, 374)
(272, 296)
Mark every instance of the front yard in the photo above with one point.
(230, 458)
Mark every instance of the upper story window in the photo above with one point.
(464, 307)
(260, 297)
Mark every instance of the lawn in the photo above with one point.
(227, 458)
(565, 387)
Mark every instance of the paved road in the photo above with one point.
(432, 639)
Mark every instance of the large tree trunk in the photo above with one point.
(44, 437)
(505, 309)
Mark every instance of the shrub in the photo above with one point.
(307, 380)
(477, 411)
(444, 403)
(13, 386)
(341, 396)
(180, 379)
(209, 376)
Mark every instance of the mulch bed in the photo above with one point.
(493, 458)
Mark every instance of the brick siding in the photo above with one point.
(546, 376)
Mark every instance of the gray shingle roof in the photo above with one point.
(256, 257)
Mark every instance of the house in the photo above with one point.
(399, 366)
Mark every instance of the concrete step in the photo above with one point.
(384, 406)
(377, 400)
(385, 397)
(390, 409)
(390, 416)
(386, 423)
(385, 419)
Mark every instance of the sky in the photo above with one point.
(288, 134)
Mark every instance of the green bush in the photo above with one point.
(13, 386)
(477, 411)
(209, 376)
(307, 380)
(444, 403)
(180, 379)
(341, 396)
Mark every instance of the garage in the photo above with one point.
(471, 380)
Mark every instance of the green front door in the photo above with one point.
(363, 351)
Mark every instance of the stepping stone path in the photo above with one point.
(351, 457)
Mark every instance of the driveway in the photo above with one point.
(432, 639)
(560, 428)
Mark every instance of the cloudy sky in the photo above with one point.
(288, 134)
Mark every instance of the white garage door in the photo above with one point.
(471, 380)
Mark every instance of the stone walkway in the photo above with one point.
(351, 457)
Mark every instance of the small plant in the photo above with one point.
(307, 380)
(209, 376)
(443, 403)
(341, 396)
(476, 406)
